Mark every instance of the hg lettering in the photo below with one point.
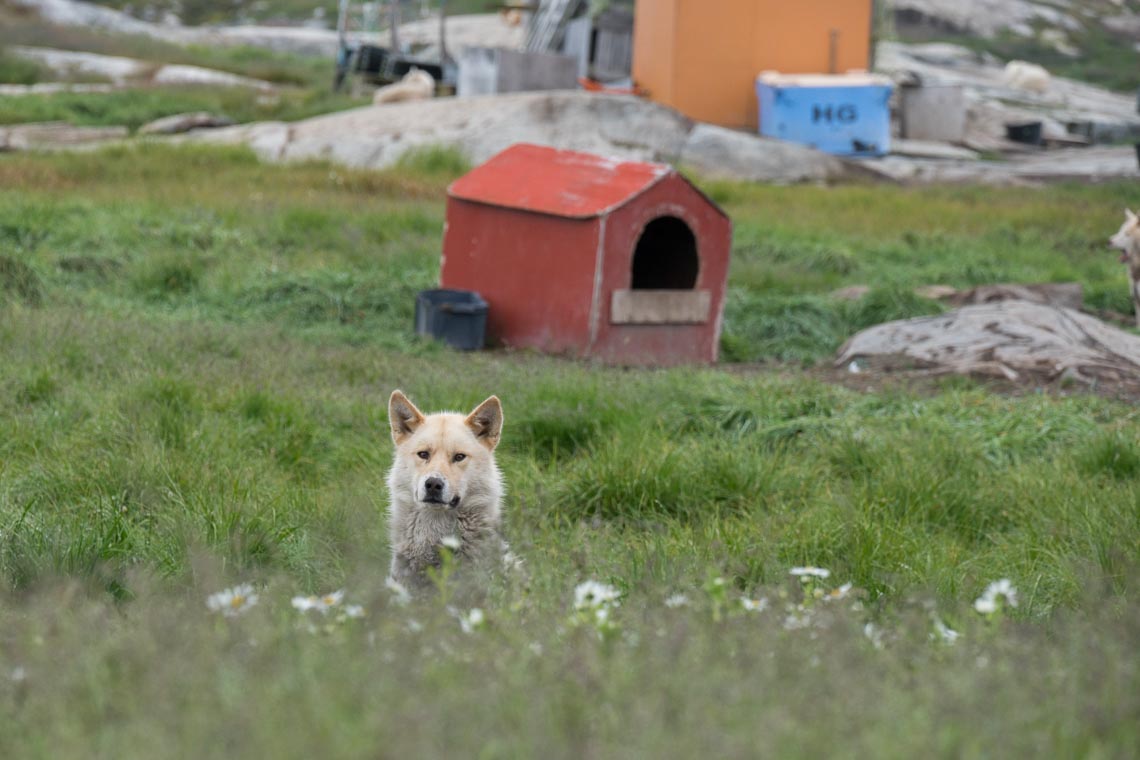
(843, 114)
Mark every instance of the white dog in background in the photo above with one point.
(1127, 240)
(416, 85)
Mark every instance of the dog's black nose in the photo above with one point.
(433, 488)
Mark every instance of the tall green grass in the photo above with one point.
(193, 394)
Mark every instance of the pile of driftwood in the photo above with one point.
(1029, 337)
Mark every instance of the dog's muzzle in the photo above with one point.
(435, 491)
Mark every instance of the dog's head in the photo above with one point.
(446, 457)
(1127, 238)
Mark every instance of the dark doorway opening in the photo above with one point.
(666, 256)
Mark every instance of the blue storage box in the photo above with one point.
(843, 114)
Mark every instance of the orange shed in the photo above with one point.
(702, 57)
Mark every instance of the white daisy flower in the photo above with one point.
(841, 592)
(472, 620)
(590, 594)
(399, 593)
(321, 604)
(754, 605)
(451, 542)
(810, 572)
(353, 611)
(874, 634)
(985, 606)
(1001, 591)
(233, 601)
(944, 633)
(304, 603)
(676, 600)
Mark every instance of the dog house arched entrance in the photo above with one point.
(664, 271)
(665, 257)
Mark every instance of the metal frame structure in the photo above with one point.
(379, 64)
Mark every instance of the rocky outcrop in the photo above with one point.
(725, 153)
(623, 126)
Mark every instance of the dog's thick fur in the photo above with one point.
(1127, 240)
(443, 482)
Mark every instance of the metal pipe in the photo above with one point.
(394, 25)
(442, 32)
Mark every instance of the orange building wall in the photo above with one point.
(652, 35)
(702, 56)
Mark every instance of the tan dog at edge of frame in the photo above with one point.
(443, 484)
(1127, 239)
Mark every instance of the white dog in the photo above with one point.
(444, 487)
(1127, 240)
(416, 85)
(1022, 75)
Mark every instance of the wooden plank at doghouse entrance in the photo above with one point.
(660, 307)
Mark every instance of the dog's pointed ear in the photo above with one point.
(486, 422)
(402, 416)
(1129, 215)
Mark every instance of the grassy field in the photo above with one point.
(304, 83)
(197, 350)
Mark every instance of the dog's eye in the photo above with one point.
(424, 455)
(458, 457)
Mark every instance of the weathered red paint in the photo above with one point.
(560, 183)
(547, 236)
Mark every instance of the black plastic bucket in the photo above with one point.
(457, 317)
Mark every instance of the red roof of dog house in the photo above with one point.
(559, 182)
(547, 237)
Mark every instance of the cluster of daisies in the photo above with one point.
(240, 599)
(595, 602)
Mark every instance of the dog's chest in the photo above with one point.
(425, 530)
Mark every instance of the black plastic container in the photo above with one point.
(457, 317)
(1028, 132)
(371, 59)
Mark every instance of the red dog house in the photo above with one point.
(579, 254)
